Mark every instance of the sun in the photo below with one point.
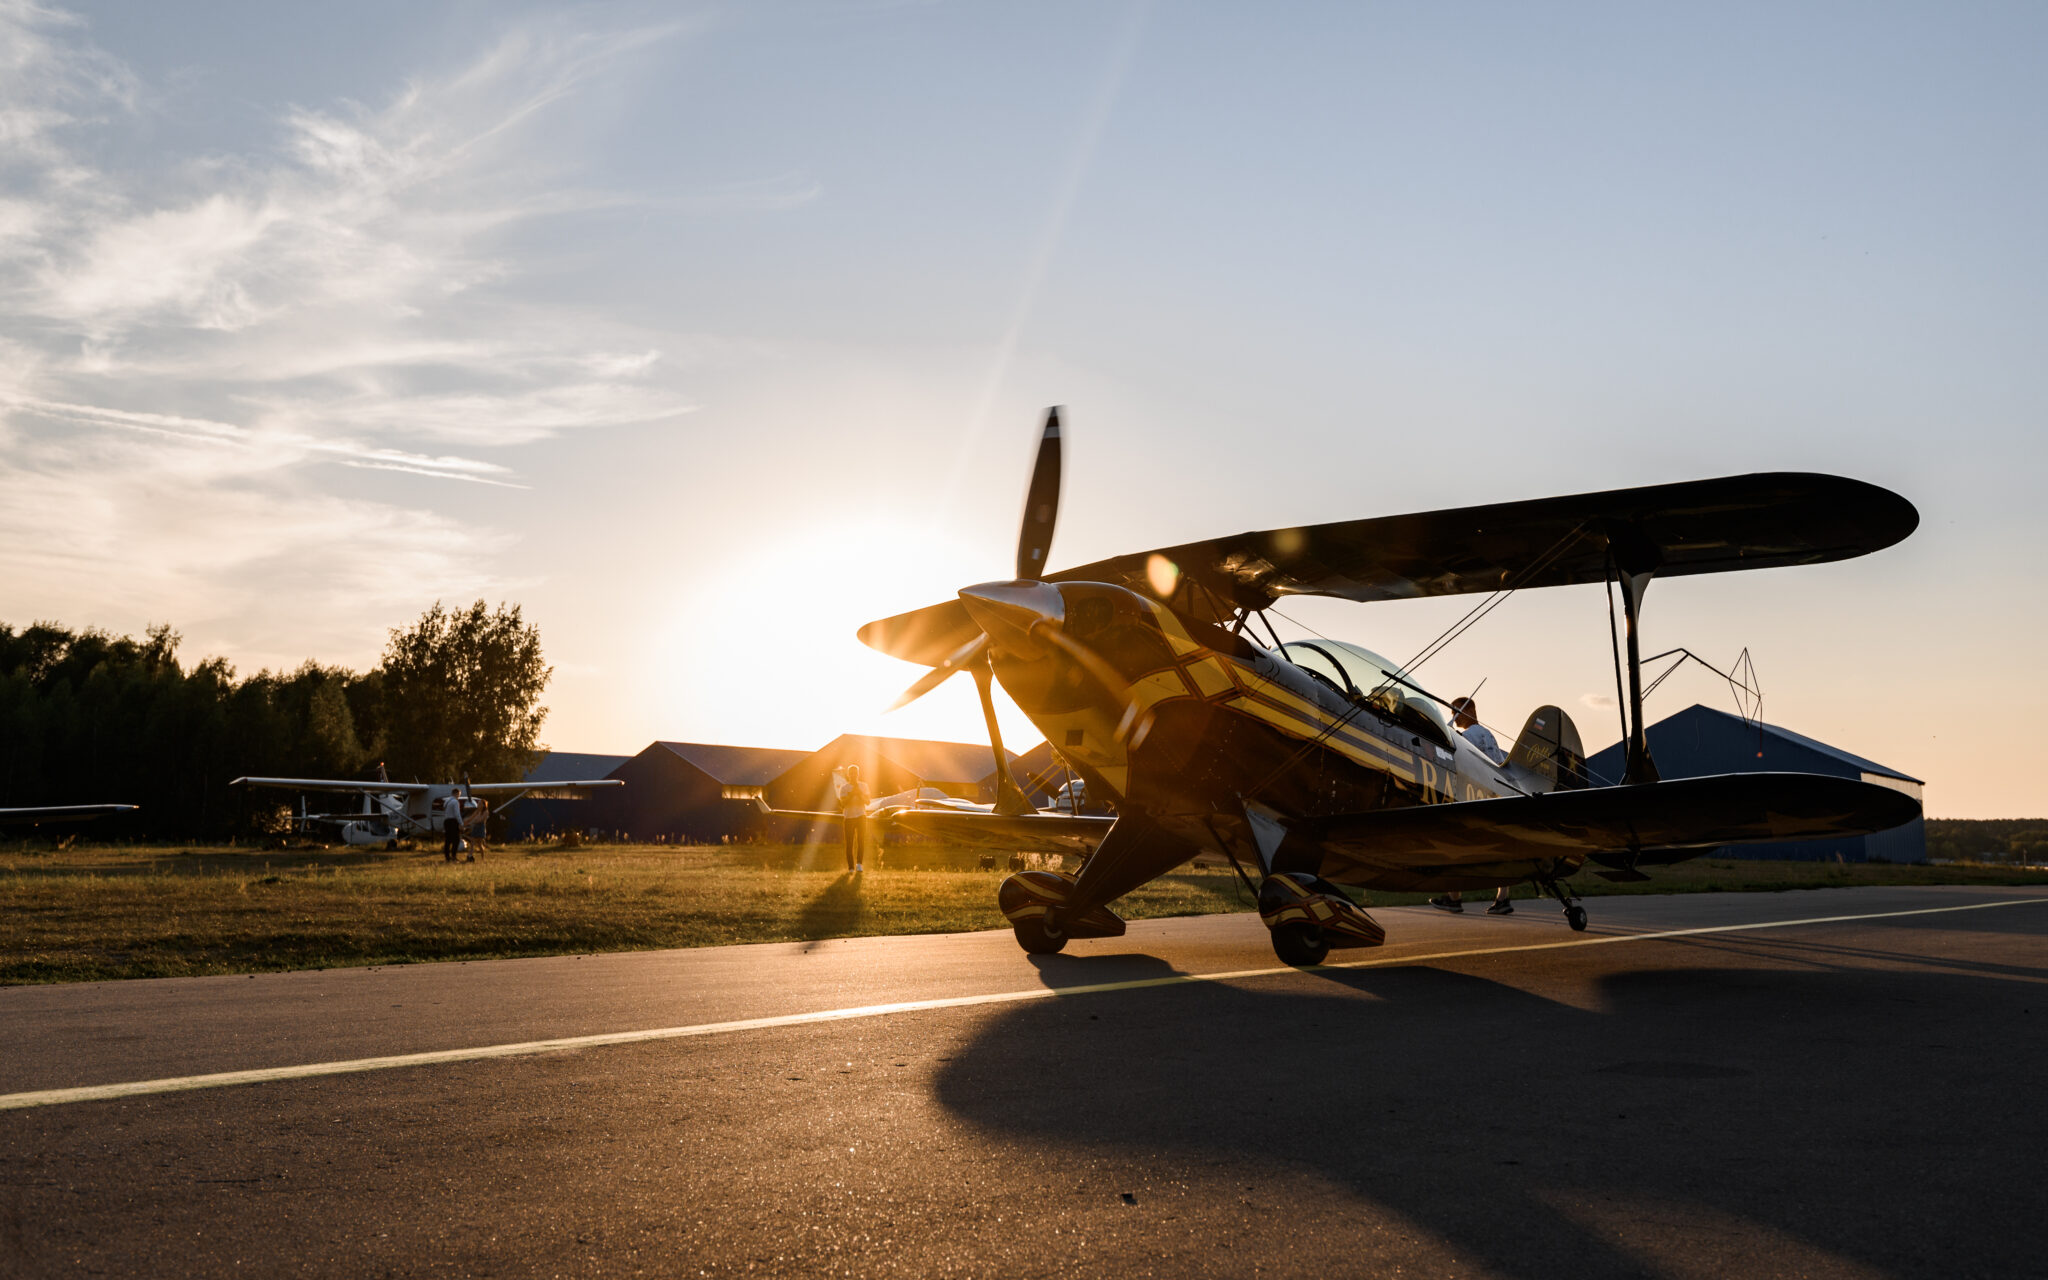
(791, 672)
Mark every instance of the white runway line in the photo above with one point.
(222, 1079)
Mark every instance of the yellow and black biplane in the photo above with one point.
(1316, 763)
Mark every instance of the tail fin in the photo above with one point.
(1548, 752)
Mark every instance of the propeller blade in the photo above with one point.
(1041, 502)
(966, 655)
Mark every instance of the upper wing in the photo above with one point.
(60, 813)
(1679, 815)
(1029, 833)
(1758, 521)
(332, 784)
(1700, 526)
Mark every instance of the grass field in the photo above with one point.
(84, 914)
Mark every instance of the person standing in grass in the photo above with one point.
(853, 819)
(451, 824)
(479, 822)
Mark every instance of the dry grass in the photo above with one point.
(96, 913)
(99, 913)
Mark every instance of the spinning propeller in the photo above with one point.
(1023, 617)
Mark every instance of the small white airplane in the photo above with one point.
(392, 810)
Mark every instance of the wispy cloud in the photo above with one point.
(184, 352)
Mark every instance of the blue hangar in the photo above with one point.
(1699, 741)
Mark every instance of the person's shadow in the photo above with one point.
(836, 912)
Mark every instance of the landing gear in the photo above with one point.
(1308, 915)
(1301, 945)
(1036, 905)
(1574, 914)
(1042, 936)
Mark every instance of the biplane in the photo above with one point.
(387, 811)
(1317, 764)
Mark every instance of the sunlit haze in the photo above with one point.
(709, 333)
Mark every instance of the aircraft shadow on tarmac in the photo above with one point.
(1874, 1115)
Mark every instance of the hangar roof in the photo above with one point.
(1609, 760)
(568, 766)
(740, 766)
(932, 761)
(1869, 766)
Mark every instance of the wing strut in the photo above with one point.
(1636, 560)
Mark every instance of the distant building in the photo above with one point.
(705, 792)
(888, 765)
(692, 791)
(1699, 741)
(533, 816)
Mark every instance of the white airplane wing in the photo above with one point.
(347, 785)
(541, 790)
(59, 813)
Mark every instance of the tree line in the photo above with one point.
(90, 717)
(1988, 839)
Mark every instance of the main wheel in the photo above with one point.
(1300, 945)
(1575, 916)
(1041, 937)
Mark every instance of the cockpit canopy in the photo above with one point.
(1362, 675)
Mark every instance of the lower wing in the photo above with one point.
(1023, 833)
(1648, 822)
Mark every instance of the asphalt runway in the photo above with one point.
(1776, 1087)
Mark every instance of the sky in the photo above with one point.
(707, 333)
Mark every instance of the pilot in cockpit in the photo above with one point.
(1465, 715)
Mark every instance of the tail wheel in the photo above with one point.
(1300, 945)
(1041, 937)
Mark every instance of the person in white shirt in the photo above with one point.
(1465, 715)
(858, 839)
(451, 825)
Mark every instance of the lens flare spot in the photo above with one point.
(1163, 575)
(1288, 543)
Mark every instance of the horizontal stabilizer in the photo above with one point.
(1683, 814)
